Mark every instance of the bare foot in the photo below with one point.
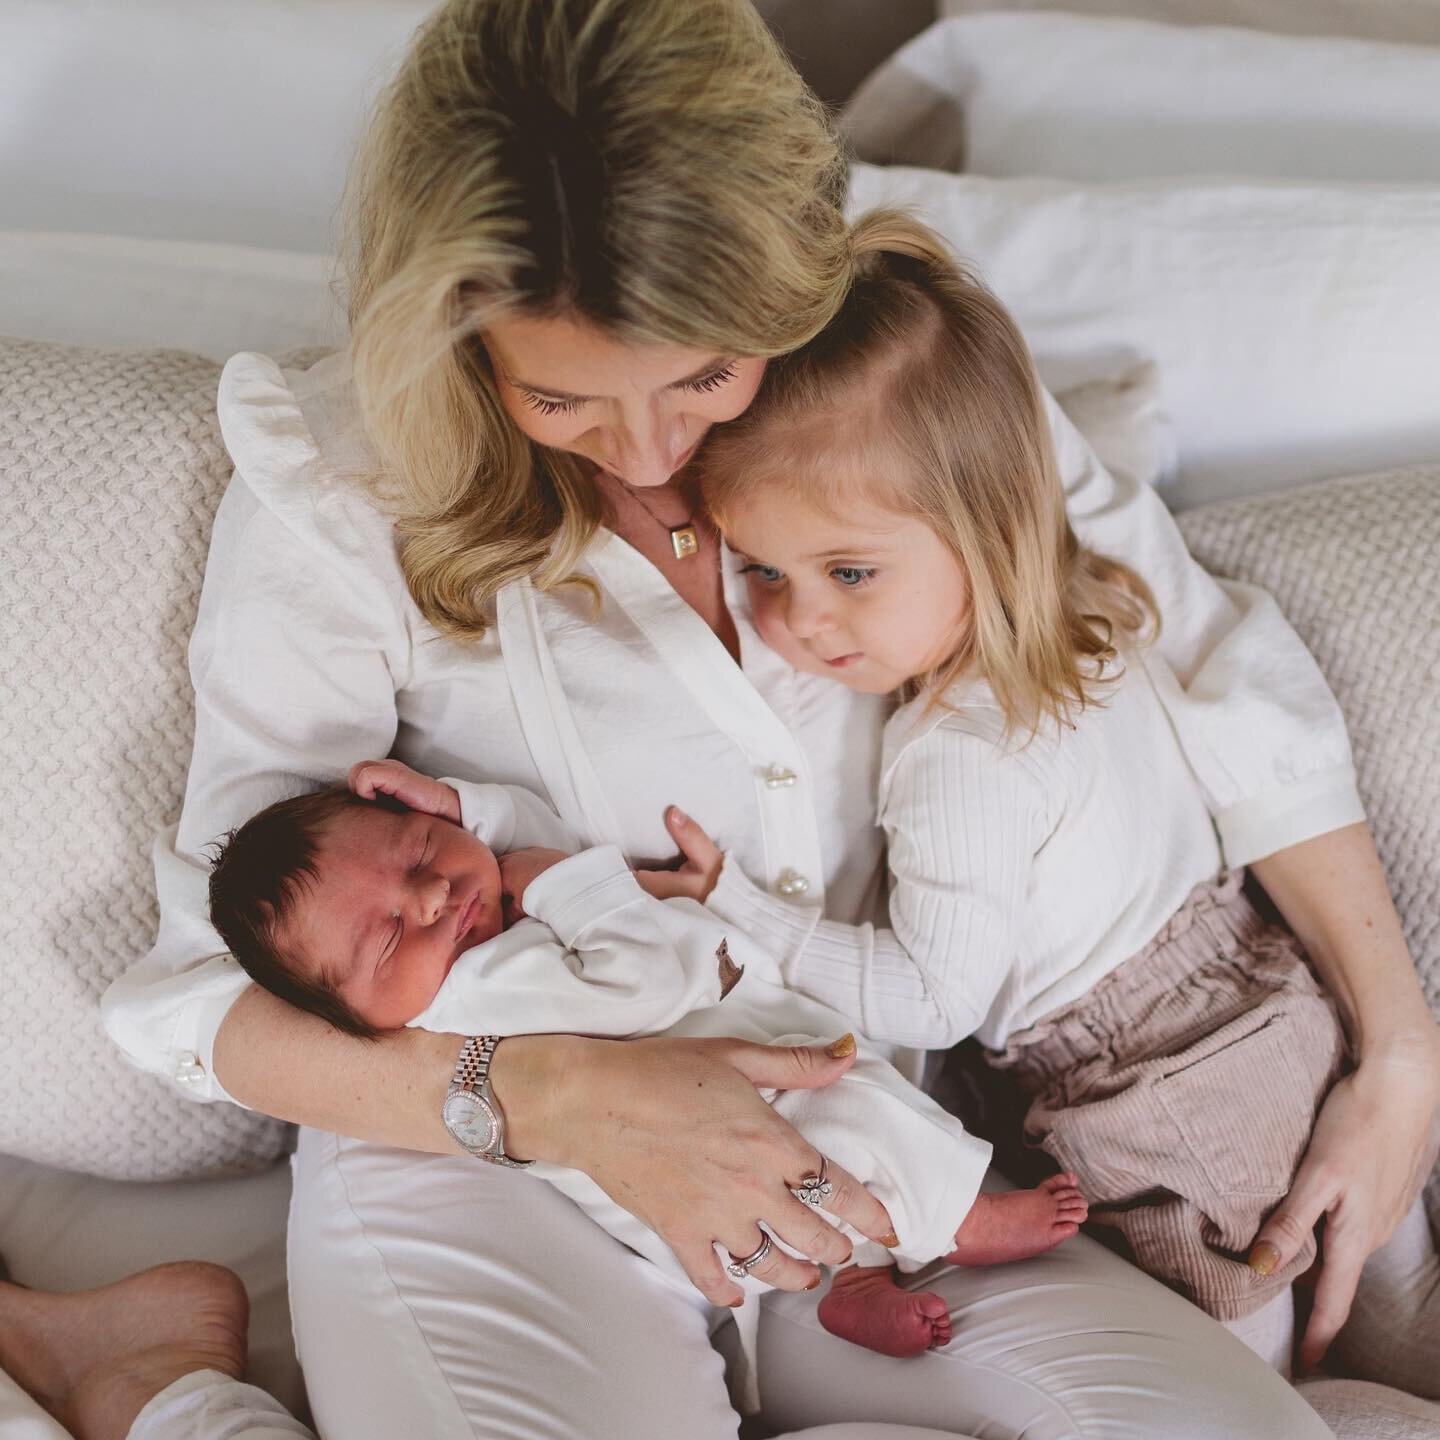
(866, 1307)
(1017, 1224)
(95, 1358)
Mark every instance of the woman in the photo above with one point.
(580, 229)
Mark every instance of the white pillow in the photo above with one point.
(1086, 98)
(1294, 327)
(1410, 22)
(215, 300)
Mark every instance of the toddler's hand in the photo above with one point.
(412, 789)
(701, 862)
(517, 869)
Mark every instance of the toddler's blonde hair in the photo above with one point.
(921, 397)
(654, 167)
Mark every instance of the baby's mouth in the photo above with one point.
(467, 916)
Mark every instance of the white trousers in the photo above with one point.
(442, 1297)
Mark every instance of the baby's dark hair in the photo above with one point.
(256, 875)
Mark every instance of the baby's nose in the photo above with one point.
(436, 898)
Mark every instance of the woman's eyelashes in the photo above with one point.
(702, 384)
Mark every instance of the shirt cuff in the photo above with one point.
(487, 812)
(1262, 824)
(782, 926)
(574, 894)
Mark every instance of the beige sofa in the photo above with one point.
(110, 467)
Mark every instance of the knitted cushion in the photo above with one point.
(1352, 563)
(112, 466)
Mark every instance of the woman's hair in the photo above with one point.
(655, 167)
(921, 397)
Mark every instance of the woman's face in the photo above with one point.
(636, 411)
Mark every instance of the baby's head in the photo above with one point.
(352, 909)
(894, 494)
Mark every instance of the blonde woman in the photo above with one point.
(581, 228)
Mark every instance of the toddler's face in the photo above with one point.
(864, 596)
(400, 897)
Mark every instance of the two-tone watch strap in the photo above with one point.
(472, 1072)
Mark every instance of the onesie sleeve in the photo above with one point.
(299, 646)
(509, 817)
(599, 957)
(1255, 718)
(964, 823)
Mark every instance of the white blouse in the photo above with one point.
(1023, 870)
(308, 654)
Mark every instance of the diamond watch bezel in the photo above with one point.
(471, 1105)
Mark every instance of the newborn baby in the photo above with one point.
(404, 900)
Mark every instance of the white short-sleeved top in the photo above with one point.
(308, 654)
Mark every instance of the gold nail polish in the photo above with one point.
(844, 1046)
(815, 1283)
(1264, 1258)
(889, 1239)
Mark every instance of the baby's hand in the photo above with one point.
(412, 789)
(517, 869)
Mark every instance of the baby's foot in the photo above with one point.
(866, 1307)
(1017, 1224)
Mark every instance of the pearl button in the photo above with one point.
(188, 1069)
(777, 777)
(790, 884)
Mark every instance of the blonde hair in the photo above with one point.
(655, 167)
(921, 394)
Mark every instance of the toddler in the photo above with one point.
(456, 907)
(1056, 884)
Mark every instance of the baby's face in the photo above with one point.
(400, 897)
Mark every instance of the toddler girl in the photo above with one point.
(1056, 884)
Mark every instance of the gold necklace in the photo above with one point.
(684, 538)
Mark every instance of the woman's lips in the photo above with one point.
(841, 661)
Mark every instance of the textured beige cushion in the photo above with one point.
(1352, 564)
(110, 470)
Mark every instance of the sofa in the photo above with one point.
(169, 175)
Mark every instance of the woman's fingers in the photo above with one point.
(851, 1202)
(1293, 1220)
(775, 1269)
(792, 1067)
(1346, 1250)
(707, 1274)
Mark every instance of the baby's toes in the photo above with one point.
(933, 1307)
(1063, 1230)
(1065, 1180)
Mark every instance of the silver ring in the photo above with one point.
(815, 1189)
(741, 1268)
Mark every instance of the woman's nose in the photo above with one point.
(649, 448)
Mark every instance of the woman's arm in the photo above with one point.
(672, 1130)
(1376, 1137)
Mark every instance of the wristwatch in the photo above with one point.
(471, 1112)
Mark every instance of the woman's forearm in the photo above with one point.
(294, 1066)
(1333, 893)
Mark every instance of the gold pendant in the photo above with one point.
(685, 541)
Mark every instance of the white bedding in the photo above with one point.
(1098, 98)
(1294, 326)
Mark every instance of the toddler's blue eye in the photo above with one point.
(851, 575)
(766, 574)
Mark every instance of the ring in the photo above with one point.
(741, 1268)
(815, 1189)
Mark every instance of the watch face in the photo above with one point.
(471, 1121)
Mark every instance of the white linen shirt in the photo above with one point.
(309, 654)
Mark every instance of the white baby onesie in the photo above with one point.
(601, 957)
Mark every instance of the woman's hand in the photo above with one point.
(700, 865)
(1373, 1145)
(674, 1131)
(372, 778)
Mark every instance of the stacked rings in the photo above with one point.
(741, 1268)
